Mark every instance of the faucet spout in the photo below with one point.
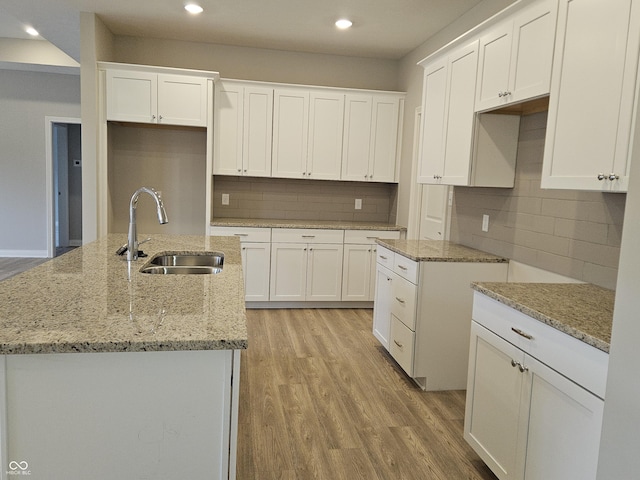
(132, 237)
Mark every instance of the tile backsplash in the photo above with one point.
(292, 199)
(572, 233)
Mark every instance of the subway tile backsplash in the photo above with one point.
(572, 233)
(278, 198)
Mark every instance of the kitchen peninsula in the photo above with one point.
(111, 373)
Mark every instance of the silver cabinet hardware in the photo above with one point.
(521, 367)
(601, 176)
(521, 333)
(383, 257)
(400, 300)
(398, 344)
(402, 267)
(241, 234)
(159, 117)
(153, 117)
(613, 176)
(308, 236)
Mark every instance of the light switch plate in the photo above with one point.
(225, 199)
(358, 204)
(485, 223)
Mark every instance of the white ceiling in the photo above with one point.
(381, 28)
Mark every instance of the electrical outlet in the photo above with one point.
(358, 204)
(485, 223)
(225, 199)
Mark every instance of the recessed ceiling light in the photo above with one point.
(193, 8)
(32, 31)
(343, 23)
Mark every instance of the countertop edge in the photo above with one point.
(329, 225)
(486, 258)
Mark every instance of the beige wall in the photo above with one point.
(261, 64)
(573, 233)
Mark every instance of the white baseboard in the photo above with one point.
(24, 253)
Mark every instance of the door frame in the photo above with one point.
(49, 177)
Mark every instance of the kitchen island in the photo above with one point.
(111, 373)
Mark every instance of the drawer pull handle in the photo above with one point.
(308, 236)
(383, 257)
(241, 234)
(371, 238)
(402, 267)
(400, 300)
(398, 344)
(521, 333)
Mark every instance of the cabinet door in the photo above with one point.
(372, 273)
(493, 406)
(326, 121)
(592, 95)
(493, 67)
(356, 273)
(228, 129)
(563, 429)
(532, 51)
(324, 272)
(434, 104)
(357, 137)
(256, 263)
(462, 70)
(382, 306)
(132, 96)
(257, 128)
(384, 138)
(182, 100)
(288, 272)
(290, 131)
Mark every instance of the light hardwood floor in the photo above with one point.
(321, 399)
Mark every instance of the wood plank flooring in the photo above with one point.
(320, 398)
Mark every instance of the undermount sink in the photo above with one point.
(185, 263)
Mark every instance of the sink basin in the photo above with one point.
(185, 263)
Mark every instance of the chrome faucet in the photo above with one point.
(132, 238)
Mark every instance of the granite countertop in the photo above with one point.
(283, 223)
(439, 251)
(582, 310)
(91, 300)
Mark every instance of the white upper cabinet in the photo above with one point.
(148, 97)
(370, 147)
(515, 57)
(448, 118)
(593, 96)
(242, 129)
(326, 123)
(290, 132)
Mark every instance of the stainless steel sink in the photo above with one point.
(187, 263)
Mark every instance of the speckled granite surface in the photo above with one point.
(328, 224)
(89, 300)
(582, 310)
(438, 251)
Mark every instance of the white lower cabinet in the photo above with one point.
(359, 264)
(255, 246)
(309, 271)
(421, 315)
(524, 418)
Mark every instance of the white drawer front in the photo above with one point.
(385, 257)
(368, 236)
(307, 235)
(585, 365)
(403, 301)
(246, 234)
(406, 268)
(401, 344)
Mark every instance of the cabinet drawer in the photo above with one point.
(403, 301)
(585, 365)
(307, 235)
(368, 236)
(385, 257)
(246, 234)
(406, 268)
(401, 345)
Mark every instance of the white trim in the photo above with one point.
(48, 130)
(24, 253)
(415, 189)
(4, 449)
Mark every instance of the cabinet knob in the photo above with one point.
(153, 117)
(601, 176)
(613, 176)
(239, 170)
(159, 117)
